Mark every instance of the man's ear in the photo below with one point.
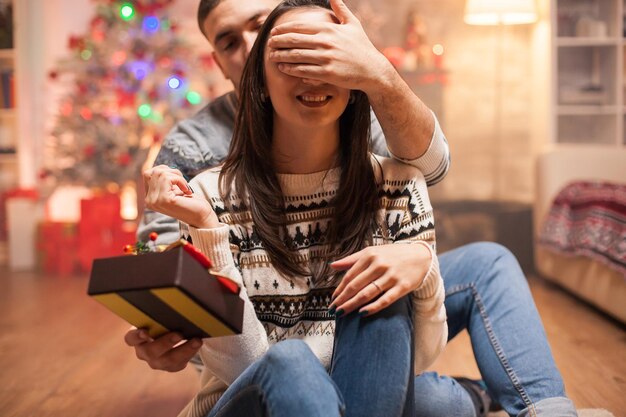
(219, 64)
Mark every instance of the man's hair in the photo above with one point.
(249, 168)
(204, 9)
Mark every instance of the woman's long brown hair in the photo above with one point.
(250, 168)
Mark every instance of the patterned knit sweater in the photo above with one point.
(278, 307)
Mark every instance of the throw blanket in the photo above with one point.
(589, 218)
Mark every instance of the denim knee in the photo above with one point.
(490, 252)
(437, 396)
(498, 264)
(300, 381)
(288, 354)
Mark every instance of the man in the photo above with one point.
(486, 292)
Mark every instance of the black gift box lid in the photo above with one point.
(166, 291)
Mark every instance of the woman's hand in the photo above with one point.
(388, 271)
(167, 192)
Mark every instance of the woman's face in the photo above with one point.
(296, 103)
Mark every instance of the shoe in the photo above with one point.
(477, 389)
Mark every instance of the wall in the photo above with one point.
(471, 97)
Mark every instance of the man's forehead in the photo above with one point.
(236, 12)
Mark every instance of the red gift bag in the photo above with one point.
(101, 231)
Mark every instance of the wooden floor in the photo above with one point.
(62, 354)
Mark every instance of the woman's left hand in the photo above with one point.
(389, 271)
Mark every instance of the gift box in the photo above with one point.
(167, 291)
(57, 243)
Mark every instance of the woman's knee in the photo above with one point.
(498, 264)
(489, 252)
(289, 354)
(303, 381)
(440, 396)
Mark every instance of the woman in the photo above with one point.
(298, 201)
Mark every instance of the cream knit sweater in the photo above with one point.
(278, 307)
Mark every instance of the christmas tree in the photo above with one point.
(129, 79)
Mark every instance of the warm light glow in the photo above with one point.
(500, 12)
(64, 203)
(118, 58)
(438, 49)
(128, 201)
(86, 113)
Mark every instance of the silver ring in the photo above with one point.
(377, 287)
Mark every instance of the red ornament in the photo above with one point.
(98, 35)
(153, 236)
(96, 21)
(165, 62)
(89, 151)
(124, 159)
(125, 99)
(86, 113)
(67, 108)
(43, 174)
(129, 249)
(76, 42)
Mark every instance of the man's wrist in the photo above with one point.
(384, 80)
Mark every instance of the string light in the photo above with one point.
(127, 11)
(194, 97)
(118, 58)
(173, 82)
(144, 110)
(140, 69)
(151, 24)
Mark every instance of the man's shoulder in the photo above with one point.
(220, 109)
(202, 140)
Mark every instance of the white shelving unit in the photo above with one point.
(588, 50)
(8, 123)
(9, 167)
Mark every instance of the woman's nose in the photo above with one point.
(309, 81)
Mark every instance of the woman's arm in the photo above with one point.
(168, 192)
(227, 357)
(406, 264)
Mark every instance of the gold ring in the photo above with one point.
(376, 285)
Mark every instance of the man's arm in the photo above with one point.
(342, 54)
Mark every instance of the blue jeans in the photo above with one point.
(487, 294)
(371, 373)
